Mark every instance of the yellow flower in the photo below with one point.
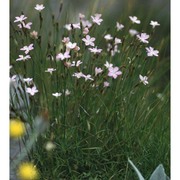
(27, 171)
(17, 128)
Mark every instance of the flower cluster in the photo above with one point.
(21, 19)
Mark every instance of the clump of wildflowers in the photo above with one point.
(82, 60)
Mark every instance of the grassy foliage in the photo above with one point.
(95, 129)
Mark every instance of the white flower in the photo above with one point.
(89, 41)
(28, 80)
(134, 19)
(50, 146)
(95, 50)
(50, 70)
(77, 48)
(67, 92)
(23, 25)
(74, 63)
(32, 90)
(108, 37)
(133, 32)
(20, 18)
(88, 77)
(23, 58)
(143, 79)
(113, 50)
(57, 94)
(76, 26)
(34, 34)
(86, 23)
(67, 64)
(68, 27)
(154, 24)
(98, 71)
(151, 51)
(27, 48)
(106, 84)
(114, 72)
(78, 75)
(143, 37)
(85, 30)
(119, 26)
(39, 7)
(96, 19)
(117, 41)
(28, 25)
(61, 56)
(108, 65)
(109, 47)
(70, 45)
(66, 40)
(81, 16)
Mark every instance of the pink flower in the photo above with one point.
(23, 58)
(88, 77)
(50, 70)
(85, 30)
(114, 72)
(98, 71)
(108, 65)
(56, 94)
(86, 23)
(32, 90)
(119, 26)
(23, 25)
(95, 50)
(81, 16)
(61, 56)
(76, 26)
(108, 37)
(143, 37)
(70, 45)
(66, 40)
(34, 34)
(20, 18)
(67, 92)
(68, 27)
(117, 41)
(106, 84)
(89, 41)
(154, 24)
(96, 19)
(143, 79)
(133, 32)
(74, 63)
(77, 48)
(39, 7)
(27, 48)
(134, 19)
(78, 75)
(151, 51)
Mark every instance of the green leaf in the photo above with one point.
(159, 174)
(136, 170)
